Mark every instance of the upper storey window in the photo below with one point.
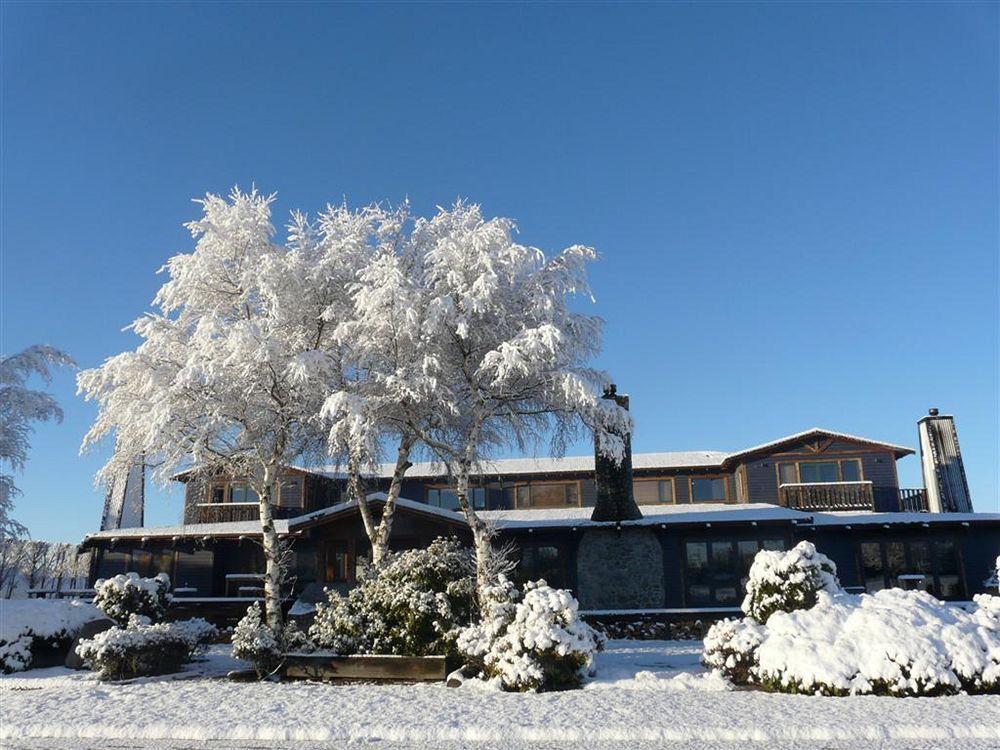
(443, 496)
(653, 491)
(547, 495)
(813, 472)
(709, 490)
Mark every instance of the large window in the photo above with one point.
(442, 496)
(709, 489)
(813, 472)
(547, 495)
(716, 569)
(653, 491)
(542, 562)
(289, 494)
(931, 565)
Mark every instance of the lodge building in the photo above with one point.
(659, 534)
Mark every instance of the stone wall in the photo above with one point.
(620, 571)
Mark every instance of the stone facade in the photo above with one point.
(620, 570)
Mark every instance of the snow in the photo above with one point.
(646, 692)
(848, 517)
(43, 617)
(651, 515)
(900, 450)
(228, 528)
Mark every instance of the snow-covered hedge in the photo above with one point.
(893, 642)
(145, 649)
(530, 640)
(255, 642)
(415, 604)
(29, 624)
(786, 581)
(128, 594)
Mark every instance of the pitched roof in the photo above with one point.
(898, 450)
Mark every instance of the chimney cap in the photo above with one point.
(933, 411)
(610, 390)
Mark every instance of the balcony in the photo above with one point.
(822, 496)
(226, 512)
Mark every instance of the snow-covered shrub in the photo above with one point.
(414, 604)
(123, 653)
(127, 594)
(893, 642)
(254, 641)
(27, 625)
(731, 648)
(787, 581)
(537, 642)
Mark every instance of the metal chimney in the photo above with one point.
(614, 501)
(941, 462)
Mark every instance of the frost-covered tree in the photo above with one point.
(510, 355)
(223, 379)
(20, 408)
(387, 384)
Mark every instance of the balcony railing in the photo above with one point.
(822, 496)
(223, 512)
(828, 496)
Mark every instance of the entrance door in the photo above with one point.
(338, 562)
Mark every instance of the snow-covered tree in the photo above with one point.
(388, 377)
(222, 381)
(20, 407)
(510, 355)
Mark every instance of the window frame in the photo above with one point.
(725, 485)
(516, 486)
(438, 486)
(561, 561)
(798, 471)
(734, 541)
(673, 489)
(934, 577)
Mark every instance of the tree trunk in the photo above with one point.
(380, 540)
(272, 553)
(481, 535)
(357, 494)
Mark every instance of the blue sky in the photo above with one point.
(796, 204)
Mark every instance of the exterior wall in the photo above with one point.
(877, 466)
(194, 493)
(619, 570)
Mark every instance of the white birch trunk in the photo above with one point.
(272, 553)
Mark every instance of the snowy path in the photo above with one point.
(647, 694)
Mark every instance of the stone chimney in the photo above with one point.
(615, 501)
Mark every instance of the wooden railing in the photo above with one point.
(852, 496)
(912, 500)
(828, 496)
(223, 512)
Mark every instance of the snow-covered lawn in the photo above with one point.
(646, 692)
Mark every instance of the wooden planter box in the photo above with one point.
(327, 666)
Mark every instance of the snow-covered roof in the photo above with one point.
(900, 450)
(640, 461)
(401, 502)
(862, 517)
(228, 528)
(651, 515)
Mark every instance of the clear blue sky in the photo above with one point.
(796, 204)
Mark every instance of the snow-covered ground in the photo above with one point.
(647, 694)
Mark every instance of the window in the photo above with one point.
(241, 492)
(217, 493)
(709, 490)
(653, 491)
(445, 497)
(290, 495)
(931, 565)
(816, 472)
(547, 495)
(542, 562)
(716, 570)
(338, 562)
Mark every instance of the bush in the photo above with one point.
(534, 640)
(31, 625)
(414, 605)
(787, 581)
(255, 642)
(144, 649)
(731, 648)
(893, 642)
(127, 594)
